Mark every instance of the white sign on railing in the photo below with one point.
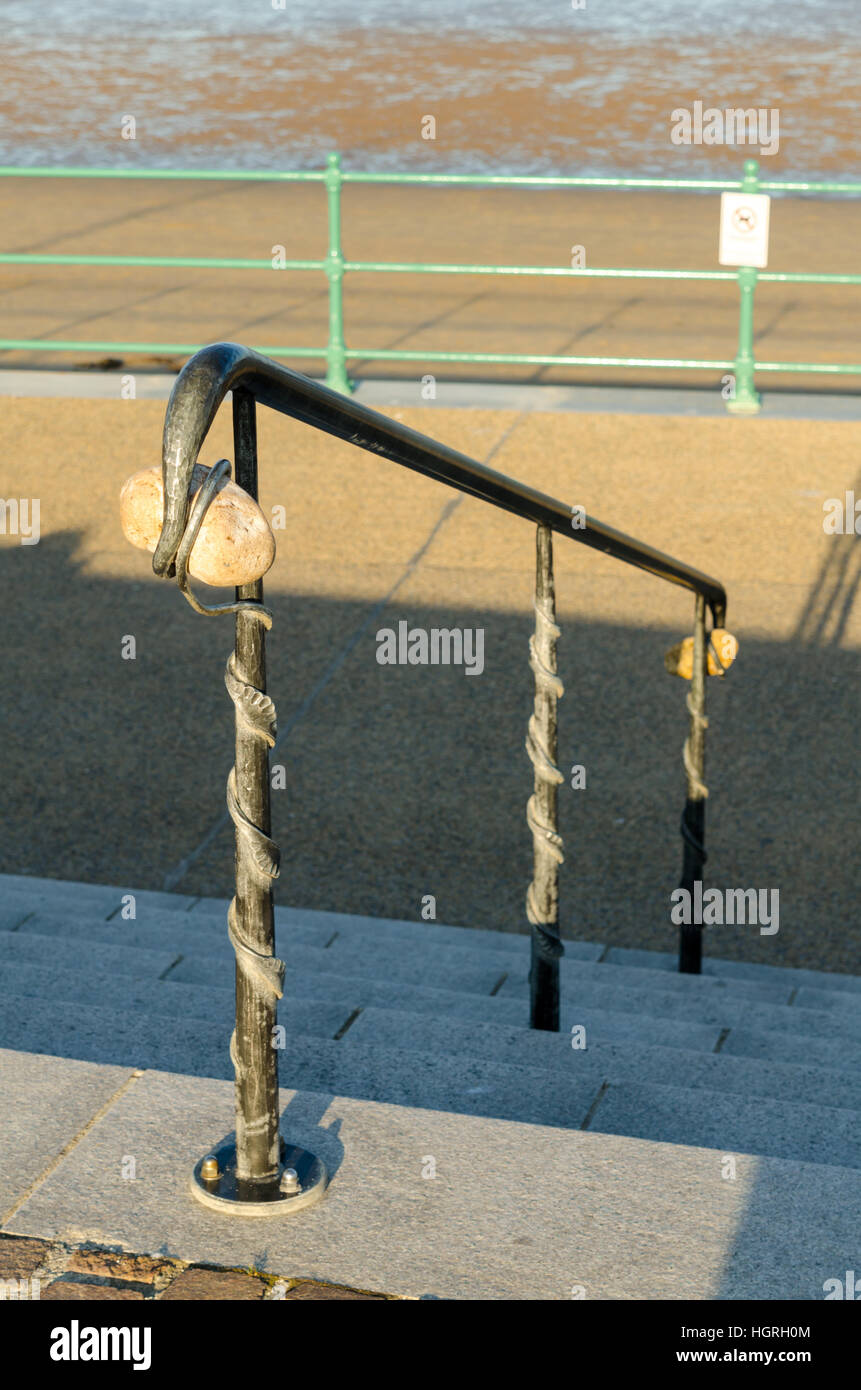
(744, 229)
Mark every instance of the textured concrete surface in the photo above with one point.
(784, 1128)
(47, 1102)
(514, 1211)
(469, 976)
(737, 971)
(198, 1046)
(19, 947)
(403, 782)
(839, 1053)
(777, 404)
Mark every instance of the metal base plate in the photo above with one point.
(226, 1192)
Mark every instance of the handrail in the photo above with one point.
(205, 380)
(261, 1171)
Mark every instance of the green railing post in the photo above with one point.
(745, 400)
(336, 351)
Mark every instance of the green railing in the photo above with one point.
(744, 398)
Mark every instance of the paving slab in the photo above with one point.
(434, 933)
(16, 946)
(572, 974)
(160, 933)
(194, 1045)
(736, 970)
(95, 987)
(379, 392)
(810, 998)
(724, 1010)
(744, 1076)
(501, 1042)
(736, 1124)
(311, 1059)
(466, 976)
(396, 1029)
(46, 1103)
(515, 1211)
(69, 894)
(840, 1054)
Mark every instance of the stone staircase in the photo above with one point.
(745, 1059)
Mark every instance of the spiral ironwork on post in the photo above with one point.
(546, 839)
(693, 823)
(697, 789)
(257, 853)
(542, 897)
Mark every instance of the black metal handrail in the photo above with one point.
(207, 377)
(261, 1170)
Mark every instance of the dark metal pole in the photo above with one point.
(255, 1057)
(542, 898)
(259, 1174)
(693, 825)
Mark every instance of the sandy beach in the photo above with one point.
(570, 100)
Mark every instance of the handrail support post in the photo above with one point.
(542, 899)
(693, 826)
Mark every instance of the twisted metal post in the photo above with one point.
(542, 898)
(693, 825)
(259, 1173)
(251, 920)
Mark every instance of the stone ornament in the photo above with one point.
(235, 544)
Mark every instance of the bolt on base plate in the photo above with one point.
(215, 1184)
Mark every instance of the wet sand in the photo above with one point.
(558, 102)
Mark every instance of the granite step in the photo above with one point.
(196, 1047)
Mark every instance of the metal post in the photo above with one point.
(336, 350)
(542, 898)
(693, 825)
(257, 859)
(745, 400)
(259, 1174)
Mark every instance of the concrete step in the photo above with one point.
(502, 1041)
(621, 988)
(429, 1019)
(379, 929)
(173, 932)
(64, 896)
(509, 1211)
(171, 998)
(591, 991)
(465, 977)
(18, 947)
(197, 1047)
(735, 969)
(711, 1007)
(732, 1124)
(657, 1018)
(22, 895)
(461, 1083)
